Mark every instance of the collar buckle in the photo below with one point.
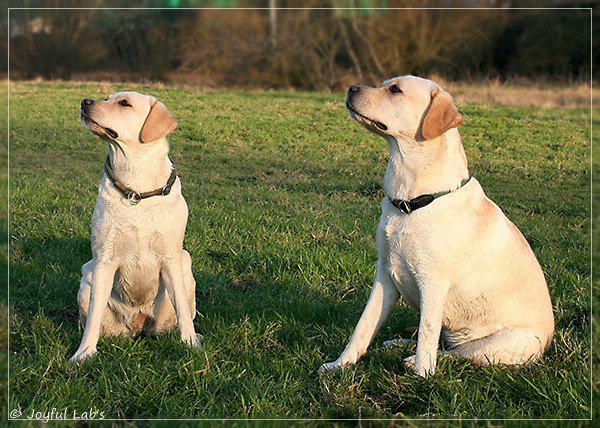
(403, 206)
(408, 206)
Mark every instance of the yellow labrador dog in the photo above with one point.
(140, 277)
(443, 246)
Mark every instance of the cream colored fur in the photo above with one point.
(140, 277)
(458, 261)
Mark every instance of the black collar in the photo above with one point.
(135, 197)
(408, 206)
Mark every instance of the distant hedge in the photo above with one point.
(306, 49)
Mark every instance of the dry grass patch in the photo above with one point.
(518, 92)
(523, 93)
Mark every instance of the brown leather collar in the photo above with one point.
(135, 197)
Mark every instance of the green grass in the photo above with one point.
(283, 191)
(3, 240)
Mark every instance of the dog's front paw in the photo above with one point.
(339, 364)
(329, 367)
(410, 363)
(82, 354)
(194, 340)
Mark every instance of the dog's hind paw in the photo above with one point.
(410, 363)
(399, 342)
(199, 341)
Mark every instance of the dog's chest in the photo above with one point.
(136, 230)
(139, 239)
(397, 242)
(140, 255)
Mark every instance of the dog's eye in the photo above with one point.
(395, 89)
(125, 103)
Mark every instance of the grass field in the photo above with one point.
(283, 191)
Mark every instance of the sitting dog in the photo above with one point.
(140, 277)
(443, 246)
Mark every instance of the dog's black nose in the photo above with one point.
(353, 89)
(87, 102)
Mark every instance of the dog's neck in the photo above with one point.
(426, 167)
(143, 170)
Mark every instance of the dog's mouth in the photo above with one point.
(96, 128)
(364, 119)
(112, 134)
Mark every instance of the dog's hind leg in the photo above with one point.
(164, 317)
(507, 346)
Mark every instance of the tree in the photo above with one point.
(51, 43)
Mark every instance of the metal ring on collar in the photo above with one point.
(165, 190)
(134, 197)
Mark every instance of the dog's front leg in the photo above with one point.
(102, 282)
(382, 300)
(173, 278)
(432, 303)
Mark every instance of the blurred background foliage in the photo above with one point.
(324, 46)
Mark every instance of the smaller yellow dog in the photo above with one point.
(140, 277)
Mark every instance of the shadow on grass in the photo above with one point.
(45, 274)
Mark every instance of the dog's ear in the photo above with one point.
(441, 115)
(159, 123)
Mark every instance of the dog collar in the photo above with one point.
(132, 196)
(408, 206)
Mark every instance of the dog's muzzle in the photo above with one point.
(352, 91)
(85, 117)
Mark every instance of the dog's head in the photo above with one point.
(405, 107)
(128, 118)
